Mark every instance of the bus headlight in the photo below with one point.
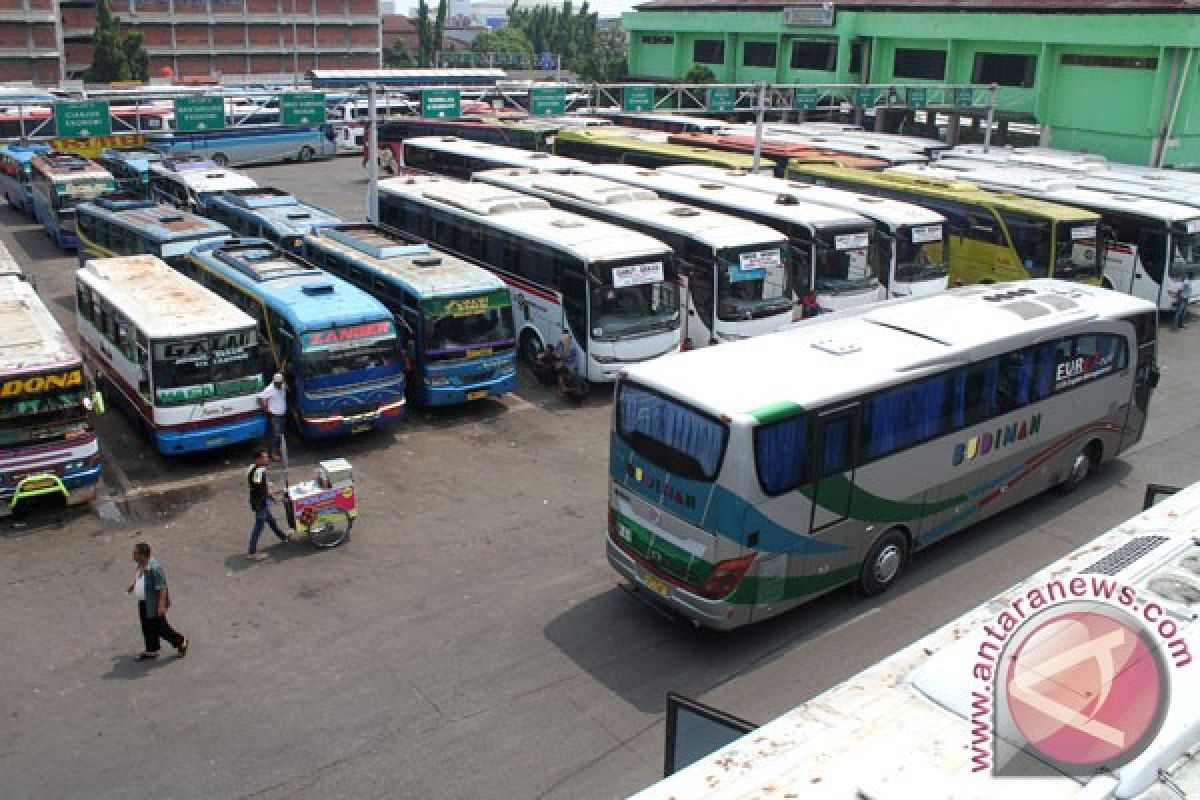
(436, 379)
(604, 359)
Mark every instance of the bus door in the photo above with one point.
(834, 453)
(698, 271)
(1145, 377)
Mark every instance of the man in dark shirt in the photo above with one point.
(260, 504)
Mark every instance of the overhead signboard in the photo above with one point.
(302, 108)
(813, 15)
(918, 96)
(547, 100)
(865, 98)
(721, 98)
(804, 99)
(441, 103)
(199, 113)
(637, 98)
(963, 97)
(81, 120)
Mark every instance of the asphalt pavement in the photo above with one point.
(469, 641)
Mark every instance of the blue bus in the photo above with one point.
(461, 345)
(272, 214)
(191, 182)
(251, 144)
(60, 182)
(16, 162)
(336, 345)
(122, 224)
(130, 167)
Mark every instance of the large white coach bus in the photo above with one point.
(1093, 658)
(750, 478)
(615, 290)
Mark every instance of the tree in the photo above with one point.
(606, 62)
(506, 41)
(700, 74)
(398, 56)
(429, 35)
(572, 35)
(116, 54)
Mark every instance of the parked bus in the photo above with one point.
(461, 158)
(782, 153)
(911, 238)
(183, 361)
(190, 183)
(894, 154)
(737, 273)
(663, 121)
(393, 134)
(605, 146)
(47, 444)
(740, 490)
(335, 344)
(16, 174)
(994, 236)
(251, 144)
(1151, 246)
(61, 181)
(832, 252)
(129, 225)
(943, 716)
(930, 148)
(130, 167)
(615, 290)
(457, 316)
(271, 214)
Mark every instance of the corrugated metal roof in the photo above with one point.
(1031, 6)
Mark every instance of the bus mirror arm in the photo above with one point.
(1150, 377)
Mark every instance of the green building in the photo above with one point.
(1116, 77)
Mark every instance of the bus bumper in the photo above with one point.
(715, 614)
(453, 395)
(330, 425)
(75, 487)
(212, 436)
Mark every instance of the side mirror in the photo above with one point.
(1153, 374)
(97, 402)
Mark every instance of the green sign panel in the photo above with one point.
(76, 120)
(302, 108)
(804, 99)
(547, 100)
(918, 97)
(721, 98)
(637, 98)
(962, 98)
(202, 113)
(441, 103)
(864, 98)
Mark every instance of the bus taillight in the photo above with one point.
(725, 577)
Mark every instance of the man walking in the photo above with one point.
(273, 401)
(260, 503)
(149, 585)
(1181, 303)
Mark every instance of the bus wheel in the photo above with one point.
(1082, 465)
(307, 153)
(387, 162)
(883, 563)
(220, 159)
(531, 348)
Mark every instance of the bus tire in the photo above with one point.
(531, 348)
(387, 162)
(220, 159)
(306, 154)
(1083, 464)
(884, 563)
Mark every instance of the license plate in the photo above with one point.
(33, 484)
(214, 441)
(479, 353)
(360, 428)
(655, 585)
(478, 394)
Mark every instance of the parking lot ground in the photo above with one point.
(469, 641)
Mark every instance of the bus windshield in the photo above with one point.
(459, 324)
(1077, 250)
(1185, 255)
(921, 254)
(669, 434)
(633, 298)
(201, 368)
(42, 418)
(343, 351)
(71, 193)
(1031, 238)
(754, 282)
(844, 263)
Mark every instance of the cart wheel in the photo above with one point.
(330, 528)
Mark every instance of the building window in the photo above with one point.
(816, 55)
(708, 51)
(658, 39)
(1115, 62)
(925, 64)
(759, 54)
(856, 53)
(1004, 69)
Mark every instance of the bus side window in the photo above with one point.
(83, 301)
(780, 454)
(980, 401)
(1152, 252)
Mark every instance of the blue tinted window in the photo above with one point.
(907, 416)
(670, 435)
(781, 454)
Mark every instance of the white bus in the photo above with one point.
(912, 238)
(191, 183)
(183, 361)
(1078, 164)
(748, 479)
(616, 290)
(736, 274)
(855, 134)
(461, 158)
(894, 153)
(928, 722)
(833, 252)
(1152, 245)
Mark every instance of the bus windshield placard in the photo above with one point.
(851, 241)
(41, 384)
(465, 306)
(354, 334)
(926, 233)
(637, 274)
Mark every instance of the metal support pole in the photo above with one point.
(991, 116)
(758, 123)
(372, 156)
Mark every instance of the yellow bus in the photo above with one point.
(609, 147)
(991, 236)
